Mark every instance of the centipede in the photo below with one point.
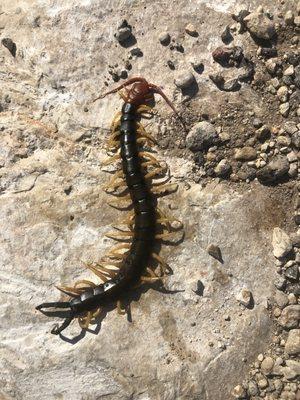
(136, 183)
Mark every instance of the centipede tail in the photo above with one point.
(128, 264)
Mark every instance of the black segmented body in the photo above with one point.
(144, 223)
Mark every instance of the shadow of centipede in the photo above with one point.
(133, 295)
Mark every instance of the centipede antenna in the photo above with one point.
(128, 82)
(158, 90)
(58, 329)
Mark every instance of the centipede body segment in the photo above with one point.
(127, 264)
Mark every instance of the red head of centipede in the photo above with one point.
(141, 92)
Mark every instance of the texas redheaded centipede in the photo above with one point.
(121, 271)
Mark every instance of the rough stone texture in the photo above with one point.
(201, 136)
(292, 345)
(260, 25)
(53, 214)
(274, 171)
(245, 154)
(290, 317)
(281, 242)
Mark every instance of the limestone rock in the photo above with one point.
(245, 154)
(290, 317)
(274, 171)
(201, 136)
(292, 345)
(281, 242)
(260, 25)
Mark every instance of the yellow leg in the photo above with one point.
(102, 276)
(148, 155)
(150, 279)
(164, 266)
(84, 322)
(84, 282)
(96, 313)
(115, 121)
(112, 159)
(145, 109)
(143, 141)
(120, 203)
(70, 291)
(121, 311)
(124, 95)
(151, 162)
(153, 173)
(119, 235)
(141, 132)
(169, 188)
(120, 246)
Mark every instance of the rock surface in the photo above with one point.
(281, 242)
(292, 345)
(201, 136)
(54, 213)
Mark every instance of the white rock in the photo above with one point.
(289, 71)
(281, 243)
(244, 297)
(283, 94)
(289, 17)
(292, 345)
(284, 109)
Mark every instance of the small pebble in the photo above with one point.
(257, 123)
(244, 297)
(10, 45)
(165, 39)
(283, 94)
(289, 17)
(245, 154)
(281, 243)
(226, 35)
(276, 312)
(263, 383)
(267, 365)
(238, 392)
(292, 345)
(191, 30)
(136, 51)
(215, 252)
(185, 80)
(289, 71)
(260, 357)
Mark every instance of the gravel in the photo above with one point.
(202, 136)
(281, 243)
(10, 45)
(283, 94)
(185, 80)
(244, 297)
(215, 252)
(259, 25)
(290, 317)
(292, 273)
(124, 32)
(284, 109)
(267, 365)
(191, 30)
(223, 168)
(292, 345)
(245, 154)
(165, 38)
(274, 171)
